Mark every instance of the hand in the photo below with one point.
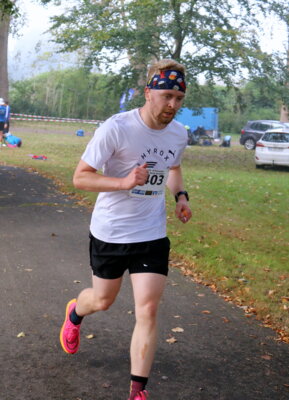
(138, 176)
(183, 212)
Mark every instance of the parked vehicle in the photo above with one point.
(254, 130)
(273, 148)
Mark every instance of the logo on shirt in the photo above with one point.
(151, 164)
(159, 152)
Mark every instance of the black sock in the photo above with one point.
(74, 318)
(138, 384)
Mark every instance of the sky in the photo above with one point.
(32, 41)
(24, 60)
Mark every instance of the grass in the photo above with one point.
(237, 241)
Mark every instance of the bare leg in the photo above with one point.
(148, 289)
(98, 298)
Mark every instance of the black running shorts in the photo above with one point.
(111, 260)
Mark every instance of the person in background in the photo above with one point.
(3, 119)
(140, 153)
(6, 103)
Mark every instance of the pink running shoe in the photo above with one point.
(70, 333)
(143, 395)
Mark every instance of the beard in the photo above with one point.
(165, 117)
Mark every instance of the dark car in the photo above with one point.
(254, 130)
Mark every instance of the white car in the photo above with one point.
(273, 148)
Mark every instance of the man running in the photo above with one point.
(139, 152)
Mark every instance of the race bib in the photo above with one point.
(154, 186)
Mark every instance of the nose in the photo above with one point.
(173, 103)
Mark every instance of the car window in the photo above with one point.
(265, 127)
(276, 137)
(255, 126)
(276, 125)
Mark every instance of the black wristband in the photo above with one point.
(180, 193)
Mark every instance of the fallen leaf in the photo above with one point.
(106, 385)
(285, 299)
(283, 277)
(76, 281)
(266, 357)
(226, 320)
(130, 312)
(21, 334)
(177, 316)
(177, 329)
(28, 269)
(90, 336)
(171, 340)
(206, 312)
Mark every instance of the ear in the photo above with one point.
(147, 93)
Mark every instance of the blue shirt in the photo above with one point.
(4, 114)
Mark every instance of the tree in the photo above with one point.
(4, 30)
(8, 10)
(282, 10)
(215, 39)
(70, 93)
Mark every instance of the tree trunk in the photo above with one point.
(284, 114)
(4, 32)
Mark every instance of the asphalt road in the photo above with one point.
(220, 355)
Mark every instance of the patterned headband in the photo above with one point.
(168, 80)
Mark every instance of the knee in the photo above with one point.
(147, 312)
(102, 304)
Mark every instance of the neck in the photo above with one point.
(149, 120)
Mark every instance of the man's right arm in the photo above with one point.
(87, 178)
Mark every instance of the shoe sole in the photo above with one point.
(63, 325)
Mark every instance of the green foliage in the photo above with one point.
(73, 93)
(211, 37)
(77, 93)
(8, 8)
(253, 101)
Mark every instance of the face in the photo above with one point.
(162, 105)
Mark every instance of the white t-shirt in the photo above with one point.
(119, 145)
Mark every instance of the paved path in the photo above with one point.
(221, 355)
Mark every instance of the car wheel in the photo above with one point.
(250, 144)
(259, 166)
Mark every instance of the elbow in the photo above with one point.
(77, 182)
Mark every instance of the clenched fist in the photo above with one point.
(137, 176)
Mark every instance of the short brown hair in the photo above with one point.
(164, 65)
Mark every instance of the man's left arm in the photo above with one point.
(176, 186)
